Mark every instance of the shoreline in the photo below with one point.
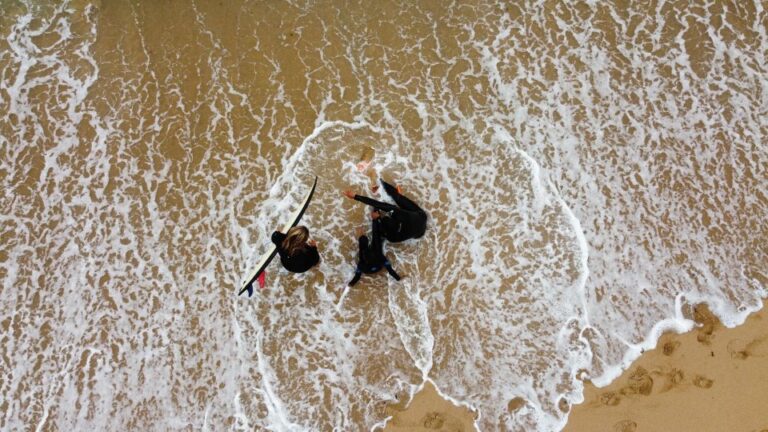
(428, 410)
(710, 378)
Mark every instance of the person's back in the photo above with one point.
(400, 225)
(297, 253)
(371, 256)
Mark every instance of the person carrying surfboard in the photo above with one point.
(297, 252)
(371, 258)
(399, 222)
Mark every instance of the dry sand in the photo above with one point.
(710, 379)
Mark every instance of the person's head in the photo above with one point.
(295, 239)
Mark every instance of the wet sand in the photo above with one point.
(577, 160)
(429, 412)
(710, 379)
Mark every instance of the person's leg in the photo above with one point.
(362, 243)
(376, 242)
(401, 200)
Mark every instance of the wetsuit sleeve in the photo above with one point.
(376, 204)
(354, 280)
(401, 200)
(277, 238)
(314, 256)
(391, 271)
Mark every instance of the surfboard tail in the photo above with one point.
(248, 288)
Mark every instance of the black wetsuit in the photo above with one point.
(404, 221)
(371, 257)
(304, 259)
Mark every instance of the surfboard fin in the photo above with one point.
(262, 280)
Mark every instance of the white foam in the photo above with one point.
(577, 208)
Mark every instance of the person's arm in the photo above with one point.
(314, 256)
(277, 238)
(391, 271)
(376, 204)
(354, 280)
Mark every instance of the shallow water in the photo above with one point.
(590, 172)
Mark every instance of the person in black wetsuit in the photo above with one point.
(297, 253)
(399, 222)
(371, 257)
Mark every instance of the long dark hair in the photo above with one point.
(295, 239)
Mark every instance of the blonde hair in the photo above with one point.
(295, 239)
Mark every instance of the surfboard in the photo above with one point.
(272, 251)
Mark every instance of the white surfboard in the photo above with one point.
(272, 250)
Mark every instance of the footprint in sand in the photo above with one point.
(515, 404)
(674, 378)
(610, 399)
(707, 321)
(702, 382)
(625, 426)
(640, 382)
(381, 408)
(670, 347)
(737, 349)
(740, 350)
(433, 420)
(628, 391)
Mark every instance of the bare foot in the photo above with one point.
(373, 178)
(366, 157)
(363, 165)
(349, 193)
